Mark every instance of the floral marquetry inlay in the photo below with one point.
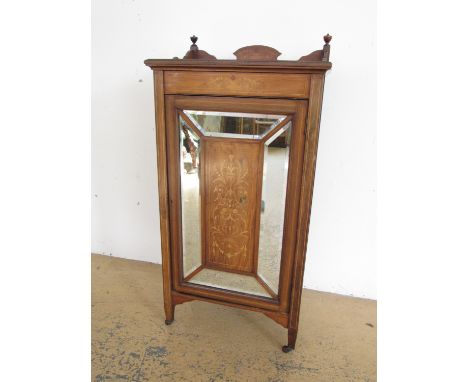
(231, 173)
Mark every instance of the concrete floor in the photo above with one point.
(208, 342)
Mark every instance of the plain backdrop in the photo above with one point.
(341, 255)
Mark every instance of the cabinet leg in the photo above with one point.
(169, 310)
(292, 335)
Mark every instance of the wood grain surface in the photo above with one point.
(231, 170)
(237, 84)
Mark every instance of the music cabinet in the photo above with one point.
(236, 152)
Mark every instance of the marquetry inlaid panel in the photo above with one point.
(231, 174)
(237, 84)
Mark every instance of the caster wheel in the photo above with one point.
(168, 322)
(286, 349)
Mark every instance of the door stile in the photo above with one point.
(292, 204)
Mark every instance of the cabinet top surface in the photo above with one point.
(254, 57)
(235, 64)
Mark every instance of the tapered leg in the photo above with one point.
(292, 335)
(169, 310)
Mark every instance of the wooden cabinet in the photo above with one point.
(236, 151)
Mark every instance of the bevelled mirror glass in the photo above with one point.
(234, 172)
(234, 125)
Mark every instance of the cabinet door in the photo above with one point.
(234, 184)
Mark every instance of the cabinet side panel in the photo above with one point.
(163, 191)
(310, 157)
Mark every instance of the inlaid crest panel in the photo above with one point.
(231, 183)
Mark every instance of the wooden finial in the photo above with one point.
(194, 47)
(326, 48)
(195, 53)
(320, 55)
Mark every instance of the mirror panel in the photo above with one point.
(224, 216)
(230, 281)
(275, 179)
(190, 146)
(234, 125)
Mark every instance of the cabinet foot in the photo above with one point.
(287, 348)
(292, 335)
(169, 310)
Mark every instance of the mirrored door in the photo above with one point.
(232, 174)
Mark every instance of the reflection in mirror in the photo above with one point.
(230, 281)
(275, 178)
(236, 125)
(190, 147)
